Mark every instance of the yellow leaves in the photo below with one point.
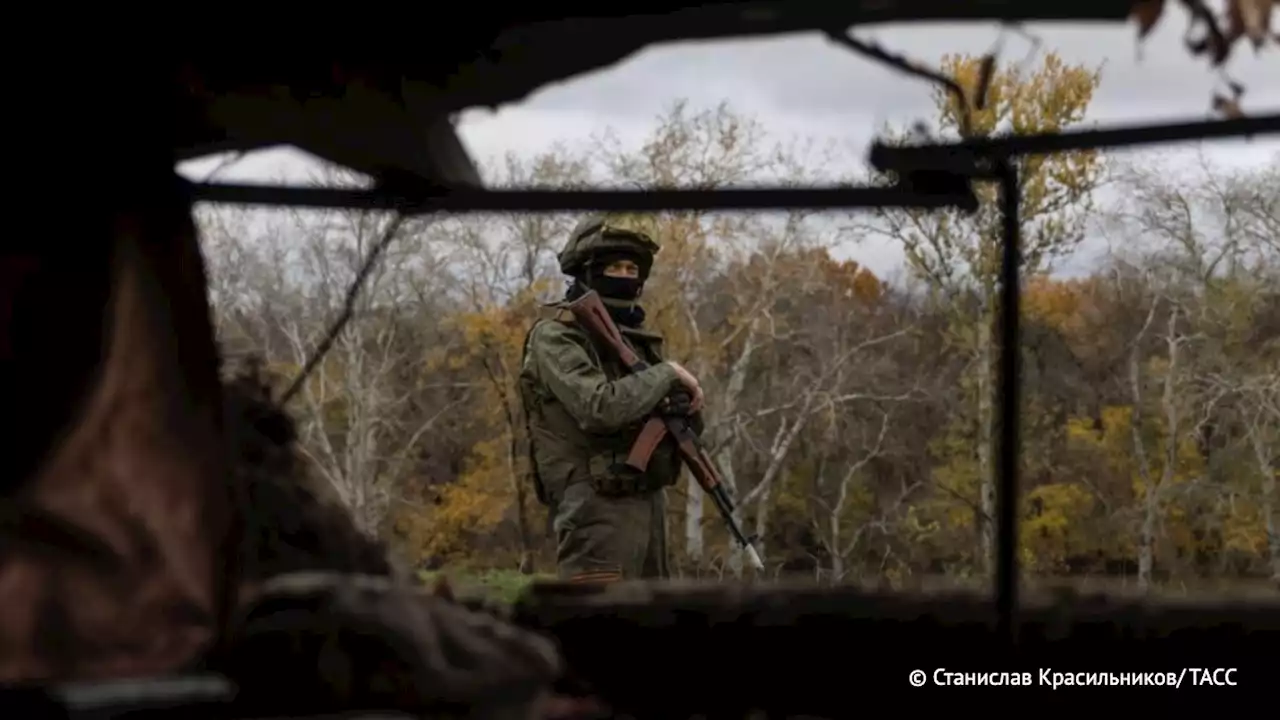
(956, 479)
(1244, 528)
(502, 327)
(1052, 524)
(1054, 96)
(968, 74)
(281, 373)
(494, 334)
(791, 497)
(482, 329)
(1082, 432)
(1108, 434)
(917, 527)
(1112, 446)
(948, 248)
(470, 507)
(1055, 303)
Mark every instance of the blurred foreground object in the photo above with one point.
(124, 528)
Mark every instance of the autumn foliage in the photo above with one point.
(851, 413)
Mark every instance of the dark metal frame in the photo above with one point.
(929, 176)
(991, 159)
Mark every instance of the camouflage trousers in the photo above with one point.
(602, 539)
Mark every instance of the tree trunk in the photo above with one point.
(1271, 509)
(726, 442)
(1270, 503)
(693, 540)
(763, 491)
(836, 535)
(986, 438)
(522, 519)
(762, 520)
(1151, 500)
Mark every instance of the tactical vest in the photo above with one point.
(560, 452)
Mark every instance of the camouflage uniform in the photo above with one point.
(584, 411)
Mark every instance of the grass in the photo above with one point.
(505, 586)
(500, 586)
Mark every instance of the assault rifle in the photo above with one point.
(592, 315)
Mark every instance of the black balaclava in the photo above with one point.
(618, 294)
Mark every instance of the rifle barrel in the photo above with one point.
(725, 506)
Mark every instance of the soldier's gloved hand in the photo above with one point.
(690, 383)
(679, 404)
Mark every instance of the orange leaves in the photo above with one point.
(1250, 19)
(813, 272)
(847, 280)
(1245, 19)
(1147, 13)
(1060, 304)
(1082, 312)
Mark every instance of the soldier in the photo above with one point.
(584, 411)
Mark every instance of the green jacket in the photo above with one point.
(584, 411)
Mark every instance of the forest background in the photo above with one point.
(850, 412)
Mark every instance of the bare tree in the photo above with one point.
(282, 282)
(958, 255)
(1205, 241)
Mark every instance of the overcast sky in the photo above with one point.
(804, 86)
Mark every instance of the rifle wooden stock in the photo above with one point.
(594, 316)
(650, 437)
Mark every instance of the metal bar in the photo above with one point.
(1010, 409)
(989, 157)
(469, 201)
(961, 155)
(741, 20)
(957, 157)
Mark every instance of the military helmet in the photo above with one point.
(596, 236)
